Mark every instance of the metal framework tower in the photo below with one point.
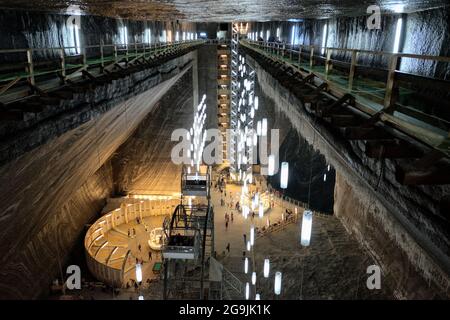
(190, 239)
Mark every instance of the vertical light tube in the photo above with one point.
(271, 166)
(253, 278)
(284, 175)
(138, 273)
(261, 210)
(246, 265)
(325, 177)
(247, 291)
(252, 235)
(277, 286)
(293, 35)
(248, 245)
(398, 32)
(258, 128)
(264, 127)
(306, 228)
(266, 268)
(324, 38)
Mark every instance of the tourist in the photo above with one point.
(228, 247)
(149, 255)
(231, 216)
(226, 224)
(139, 247)
(245, 239)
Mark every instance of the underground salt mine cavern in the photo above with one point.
(224, 150)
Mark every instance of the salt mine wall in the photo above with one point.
(58, 185)
(144, 162)
(425, 32)
(413, 224)
(22, 29)
(19, 137)
(305, 163)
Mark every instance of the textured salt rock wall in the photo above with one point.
(305, 163)
(143, 164)
(23, 29)
(40, 182)
(29, 273)
(410, 216)
(426, 32)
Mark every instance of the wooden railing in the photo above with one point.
(65, 63)
(382, 85)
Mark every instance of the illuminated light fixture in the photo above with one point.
(257, 297)
(138, 273)
(247, 291)
(141, 298)
(278, 32)
(184, 36)
(252, 235)
(325, 177)
(398, 32)
(124, 35)
(258, 128)
(271, 166)
(284, 175)
(246, 265)
(177, 36)
(266, 268)
(328, 168)
(267, 35)
(253, 278)
(76, 38)
(277, 285)
(264, 127)
(256, 103)
(248, 245)
(324, 38)
(293, 35)
(261, 210)
(306, 228)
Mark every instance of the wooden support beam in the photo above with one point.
(11, 115)
(392, 149)
(359, 133)
(344, 120)
(436, 174)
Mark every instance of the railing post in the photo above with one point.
(30, 66)
(328, 52)
(83, 53)
(311, 59)
(102, 61)
(299, 54)
(63, 64)
(351, 76)
(388, 98)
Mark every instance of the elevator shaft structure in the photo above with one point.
(190, 234)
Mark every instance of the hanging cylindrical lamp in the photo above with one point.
(247, 291)
(138, 273)
(277, 286)
(253, 278)
(252, 235)
(271, 165)
(306, 228)
(284, 175)
(266, 268)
